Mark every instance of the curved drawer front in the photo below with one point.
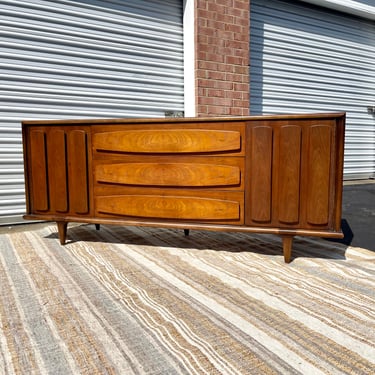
(168, 174)
(169, 207)
(168, 141)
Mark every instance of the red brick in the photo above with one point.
(208, 65)
(235, 111)
(206, 100)
(215, 57)
(241, 69)
(240, 13)
(225, 68)
(223, 85)
(214, 7)
(225, 18)
(241, 4)
(233, 60)
(240, 103)
(236, 44)
(201, 73)
(240, 86)
(234, 28)
(222, 57)
(202, 91)
(218, 111)
(215, 92)
(201, 55)
(202, 4)
(212, 23)
(234, 77)
(227, 3)
(236, 95)
(204, 83)
(219, 76)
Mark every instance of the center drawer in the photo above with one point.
(189, 139)
(225, 207)
(168, 172)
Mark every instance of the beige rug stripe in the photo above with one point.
(250, 316)
(64, 319)
(127, 299)
(150, 353)
(339, 349)
(261, 336)
(116, 282)
(293, 273)
(233, 278)
(10, 317)
(314, 324)
(148, 251)
(89, 314)
(304, 287)
(154, 314)
(24, 356)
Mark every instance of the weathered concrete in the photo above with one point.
(359, 215)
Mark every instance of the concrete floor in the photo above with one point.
(358, 214)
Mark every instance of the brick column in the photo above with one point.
(222, 57)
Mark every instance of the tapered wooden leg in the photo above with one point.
(186, 232)
(62, 227)
(287, 248)
(97, 226)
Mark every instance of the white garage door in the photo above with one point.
(311, 59)
(82, 59)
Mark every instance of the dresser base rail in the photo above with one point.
(287, 235)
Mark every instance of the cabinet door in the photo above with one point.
(57, 170)
(291, 174)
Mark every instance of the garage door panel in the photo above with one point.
(306, 58)
(82, 59)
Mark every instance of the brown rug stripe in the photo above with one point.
(127, 300)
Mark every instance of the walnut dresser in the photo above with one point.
(267, 174)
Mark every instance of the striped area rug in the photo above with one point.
(128, 300)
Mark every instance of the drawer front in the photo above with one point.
(168, 139)
(221, 173)
(185, 206)
(170, 172)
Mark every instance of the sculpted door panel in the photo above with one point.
(319, 162)
(78, 174)
(38, 170)
(260, 176)
(58, 170)
(290, 174)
